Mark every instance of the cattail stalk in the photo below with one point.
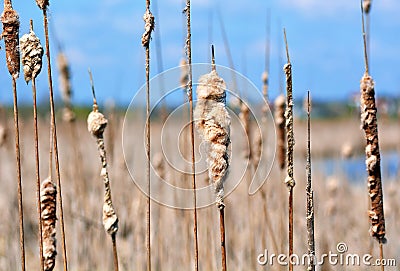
(32, 53)
(96, 126)
(213, 124)
(43, 4)
(369, 124)
(191, 119)
(146, 37)
(289, 181)
(10, 20)
(310, 195)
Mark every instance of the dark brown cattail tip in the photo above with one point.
(43, 4)
(10, 20)
(367, 6)
(148, 28)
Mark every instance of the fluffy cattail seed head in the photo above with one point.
(42, 4)
(48, 194)
(65, 76)
(96, 123)
(32, 53)
(213, 123)
(148, 28)
(10, 20)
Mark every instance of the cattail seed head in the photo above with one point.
(366, 6)
(279, 116)
(244, 117)
(48, 194)
(43, 4)
(373, 159)
(148, 28)
(3, 135)
(31, 53)
(213, 124)
(65, 76)
(10, 20)
(96, 123)
(184, 73)
(265, 77)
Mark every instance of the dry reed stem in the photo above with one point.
(279, 115)
(188, 51)
(146, 37)
(244, 117)
(289, 181)
(32, 53)
(53, 128)
(10, 20)
(48, 195)
(310, 195)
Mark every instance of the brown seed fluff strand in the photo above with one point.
(48, 195)
(289, 181)
(373, 159)
(10, 20)
(32, 53)
(280, 129)
(213, 124)
(146, 37)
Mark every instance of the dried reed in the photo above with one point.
(146, 37)
(48, 195)
(189, 92)
(310, 195)
(32, 53)
(369, 124)
(43, 4)
(289, 181)
(213, 125)
(10, 20)
(96, 126)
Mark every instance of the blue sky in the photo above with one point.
(325, 44)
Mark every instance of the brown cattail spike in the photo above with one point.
(373, 159)
(366, 6)
(65, 76)
(48, 194)
(280, 129)
(148, 28)
(43, 4)
(31, 53)
(213, 123)
(10, 20)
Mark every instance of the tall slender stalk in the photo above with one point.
(10, 20)
(55, 144)
(310, 195)
(191, 119)
(32, 53)
(289, 181)
(146, 37)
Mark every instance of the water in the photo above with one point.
(354, 168)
